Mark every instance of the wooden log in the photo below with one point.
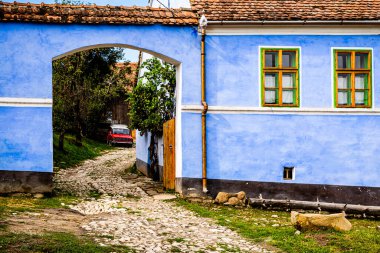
(317, 206)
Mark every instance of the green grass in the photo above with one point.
(133, 169)
(178, 239)
(73, 154)
(53, 242)
(256, 225)
(29, 204)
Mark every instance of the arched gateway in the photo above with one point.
(31, 36)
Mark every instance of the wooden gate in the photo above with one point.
(169, 155)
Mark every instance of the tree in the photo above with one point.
(152, 102)
(84, 85)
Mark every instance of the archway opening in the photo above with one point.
(93, 88)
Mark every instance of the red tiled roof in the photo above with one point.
(288, 10)
(134, 72)
(93, 14)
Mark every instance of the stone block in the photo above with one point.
(313, 221)
(222, 197)
(241, 195)
(233, 201)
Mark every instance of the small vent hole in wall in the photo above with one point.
(288, 173)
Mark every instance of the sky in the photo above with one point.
(129, 54)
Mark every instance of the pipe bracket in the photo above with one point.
(205, 107)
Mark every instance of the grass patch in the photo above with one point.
(29, 204)
(49, 242)
(130, 196)
(257, 225)
(227, 248)
(111, 237)
(94, 193)
(73, 154)
(175, 249)
(53, 242)
(178, 239)
(132, 169)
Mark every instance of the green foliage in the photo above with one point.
(85, 85)
(152, 101)
(73, 155)
(53, 242)
(257, 224)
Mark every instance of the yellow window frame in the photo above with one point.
(279, 70)
(353, 71)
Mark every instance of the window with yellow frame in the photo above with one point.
(280, 77)
(352, 78)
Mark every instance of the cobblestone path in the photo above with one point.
(132, 211)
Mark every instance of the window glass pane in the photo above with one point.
(360, 81)
(343, 97)
(361, 60)
(344, 60)
(270, 97)
(288, 80)
(359, 98)
(287, 97)
(271, 59)
(288, 59)
(270, 80)
(344, 81)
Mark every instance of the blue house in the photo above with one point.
(285, 105)
(293, 98)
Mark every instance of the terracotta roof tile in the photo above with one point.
(93, 14)
(283, 10)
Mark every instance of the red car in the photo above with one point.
(119, 134)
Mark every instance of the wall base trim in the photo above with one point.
(359, 195)
(26, 182)
(143, 167)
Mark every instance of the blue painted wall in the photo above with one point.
(25, 139)
(142, 148)
(233, 66)
(324, 149)
(26, 53)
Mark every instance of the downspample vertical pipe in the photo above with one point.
(202, 26)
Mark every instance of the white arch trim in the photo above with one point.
(161, 56)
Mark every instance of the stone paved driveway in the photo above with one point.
(131, 211)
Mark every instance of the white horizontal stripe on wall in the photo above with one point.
(26, 102)
(278, 110)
